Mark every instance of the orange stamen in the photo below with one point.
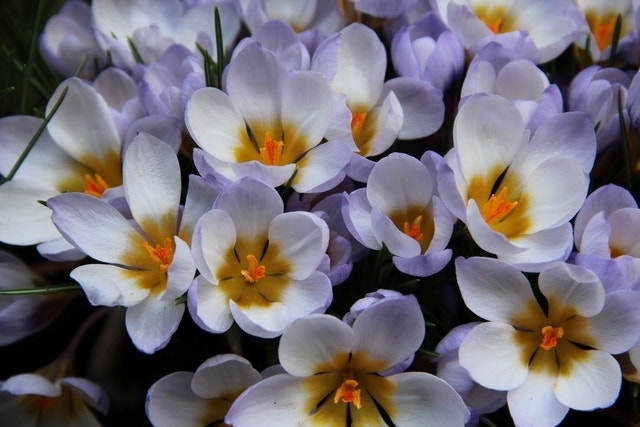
(357, 120)
(414, 230)
(494, 25)
(550, 336)
(497, 208)
(255, 271)
(272, 150)
(95, 185)
(348, 393)
(162, 254)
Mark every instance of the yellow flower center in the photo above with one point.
(161, 254)
(348, 393)
(357, 120)
(255, 271)
(492, 17)
(95, 185)
(602, 28)
(550, 336)
(497, 207)
(271, 152)
(414, 230)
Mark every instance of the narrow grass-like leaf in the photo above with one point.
(624, 139)
(40, 291)
(35, 137)
(615, 39)
(6, 91)
(210, 67)
(219, 47)
(134, 51)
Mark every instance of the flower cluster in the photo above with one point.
(356, 212)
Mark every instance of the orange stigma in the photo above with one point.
(357, 120)
(272, 150)
(414, 230)
(95, 185)
(492, 17)
(255, 271)
(602, 28)
(497, 208)
(550, 336)
(162, 254)
(348, 393)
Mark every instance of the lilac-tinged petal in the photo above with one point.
(617, 327)
(217, 133)
(170, 401)
(387, 233)
(255, 82)
(214, 237)
(449, 184)
(571, 287)
(322, 168)
(606, 269)
(60, 250)
(534, 402)
(111, 285)
(109, 240)
(302, 239)
(152, 323)
(380, 341)
(596, 237)
(622, 240)
(592, 382)
(506, 368)
(181, 271)
(273, 176)
(424, 399)
(542, 248)
(356, 212)
(423, 265)
(116, 87)
(82, 126)
(493, 289)
(252, 205)
(263, 322)
(277, 399)
(166, 128)
(30, 384)
(90, 392)
(199, 200)
(422, 106)
(303, 357)
(209, 306)
(359, 167)
(310, 295)
(151, 176)
(224, 374)
(486, 237)
(443, 225)
(384, 122)
(487, 142)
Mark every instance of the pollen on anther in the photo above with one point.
(550, 336)
(255, 271)
(497, 207)
(95, 185)
(271, 152)
(348, 393)
(161, 254)
(414, 230)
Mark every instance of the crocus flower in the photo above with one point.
(332, 375)
(517, 193)
(400, 210)
(552, 359)
(148, 260)
(148, 28)
(202, 397)
(354, 62)
(258, 265)
(285, 137)
(603, 239)
(39, 400)
(548, 26)
(382, 8)
(601, 17)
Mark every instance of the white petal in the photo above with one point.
(534, 403)
(199, 200)
(540, 249)
(593, 382)
(493, 289)
(152, 323)
(485, 236)
(111, 285)
(151, 176)
(223, 375)
(301, 239)
(356, 212)
(181, 271)
(214, 237)
(263, 322)
(572, 287)
(310, 295)
(90, 392)
(209, 306)
(387, 233)
(30, 384)
(302, 357)
(171, 402)
(322, 167)
(492, 354)
(377, 331)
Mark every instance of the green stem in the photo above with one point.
(43, 290)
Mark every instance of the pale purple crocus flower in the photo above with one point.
(259, 266)
(546, 27)
(517, 192)
(271, 125)
(500, 71)
(400, 209)
(382, 8)
(147, 259)
(428, 51)
(603, 239)
(354, 62)
(332, 375)
(547, 360)
(480, 400)
(67, 42)
(202, 397)
(598, 91)
(150, 28)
